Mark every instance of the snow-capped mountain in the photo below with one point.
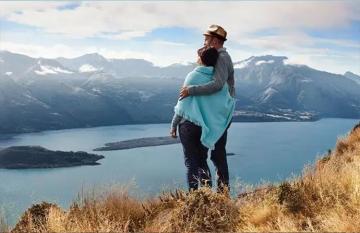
(119, 68)
(14, 64)
(38, 94)
(87, 63)
(269, 83)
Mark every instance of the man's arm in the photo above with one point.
(220, 77)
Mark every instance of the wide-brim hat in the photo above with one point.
(216, 31)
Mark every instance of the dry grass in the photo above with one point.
(326, 197)
(4, 226)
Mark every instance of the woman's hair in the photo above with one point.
(208, 55)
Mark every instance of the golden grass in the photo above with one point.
(325, 198)
(4, 226)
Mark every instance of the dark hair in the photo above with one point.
(208, 55)
(221, 41)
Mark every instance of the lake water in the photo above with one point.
(263, 152)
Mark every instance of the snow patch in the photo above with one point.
(87, 68)
(269, 93)
(44, 70)
(96, 90)
(306, 81)
(264, 62)
(278, 116)
(58, 69)
(242, 64)
(8, 73)
(181, 63)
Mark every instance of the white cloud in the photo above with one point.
(120, 20)
(125, 20)
(168, 43)
(302, 49)
(124, 35)
(160, 53)
(9, 8)
(331, 64)
(38, 50)
(294, 39)
(163, 55)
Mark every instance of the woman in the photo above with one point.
(201, 119)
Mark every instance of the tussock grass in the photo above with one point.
(325, 197)
(4, 226)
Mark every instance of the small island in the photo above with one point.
(138, 142)
(142, 142)
(21, 157)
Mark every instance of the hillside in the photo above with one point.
(324, 198)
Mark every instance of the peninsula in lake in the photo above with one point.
(139, 142)
(142, 142)
(18, 157)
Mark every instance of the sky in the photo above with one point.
(321, 34)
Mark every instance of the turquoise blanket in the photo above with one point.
(212, 112)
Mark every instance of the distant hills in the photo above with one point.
(90, 90)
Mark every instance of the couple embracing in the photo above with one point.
(204, 111)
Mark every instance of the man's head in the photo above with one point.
(215, 36)
(208, 55)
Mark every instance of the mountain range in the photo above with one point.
(42, 94)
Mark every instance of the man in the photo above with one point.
(215, 36)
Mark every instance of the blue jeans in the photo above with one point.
(195, 155)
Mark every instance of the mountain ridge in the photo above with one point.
(65, 93)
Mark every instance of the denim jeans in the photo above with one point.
(195, 155)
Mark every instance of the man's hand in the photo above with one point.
(184, 92)
(173, 133)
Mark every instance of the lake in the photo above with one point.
(270, 151)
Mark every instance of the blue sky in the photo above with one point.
(321, 34)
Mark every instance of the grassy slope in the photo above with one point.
(326, 197)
